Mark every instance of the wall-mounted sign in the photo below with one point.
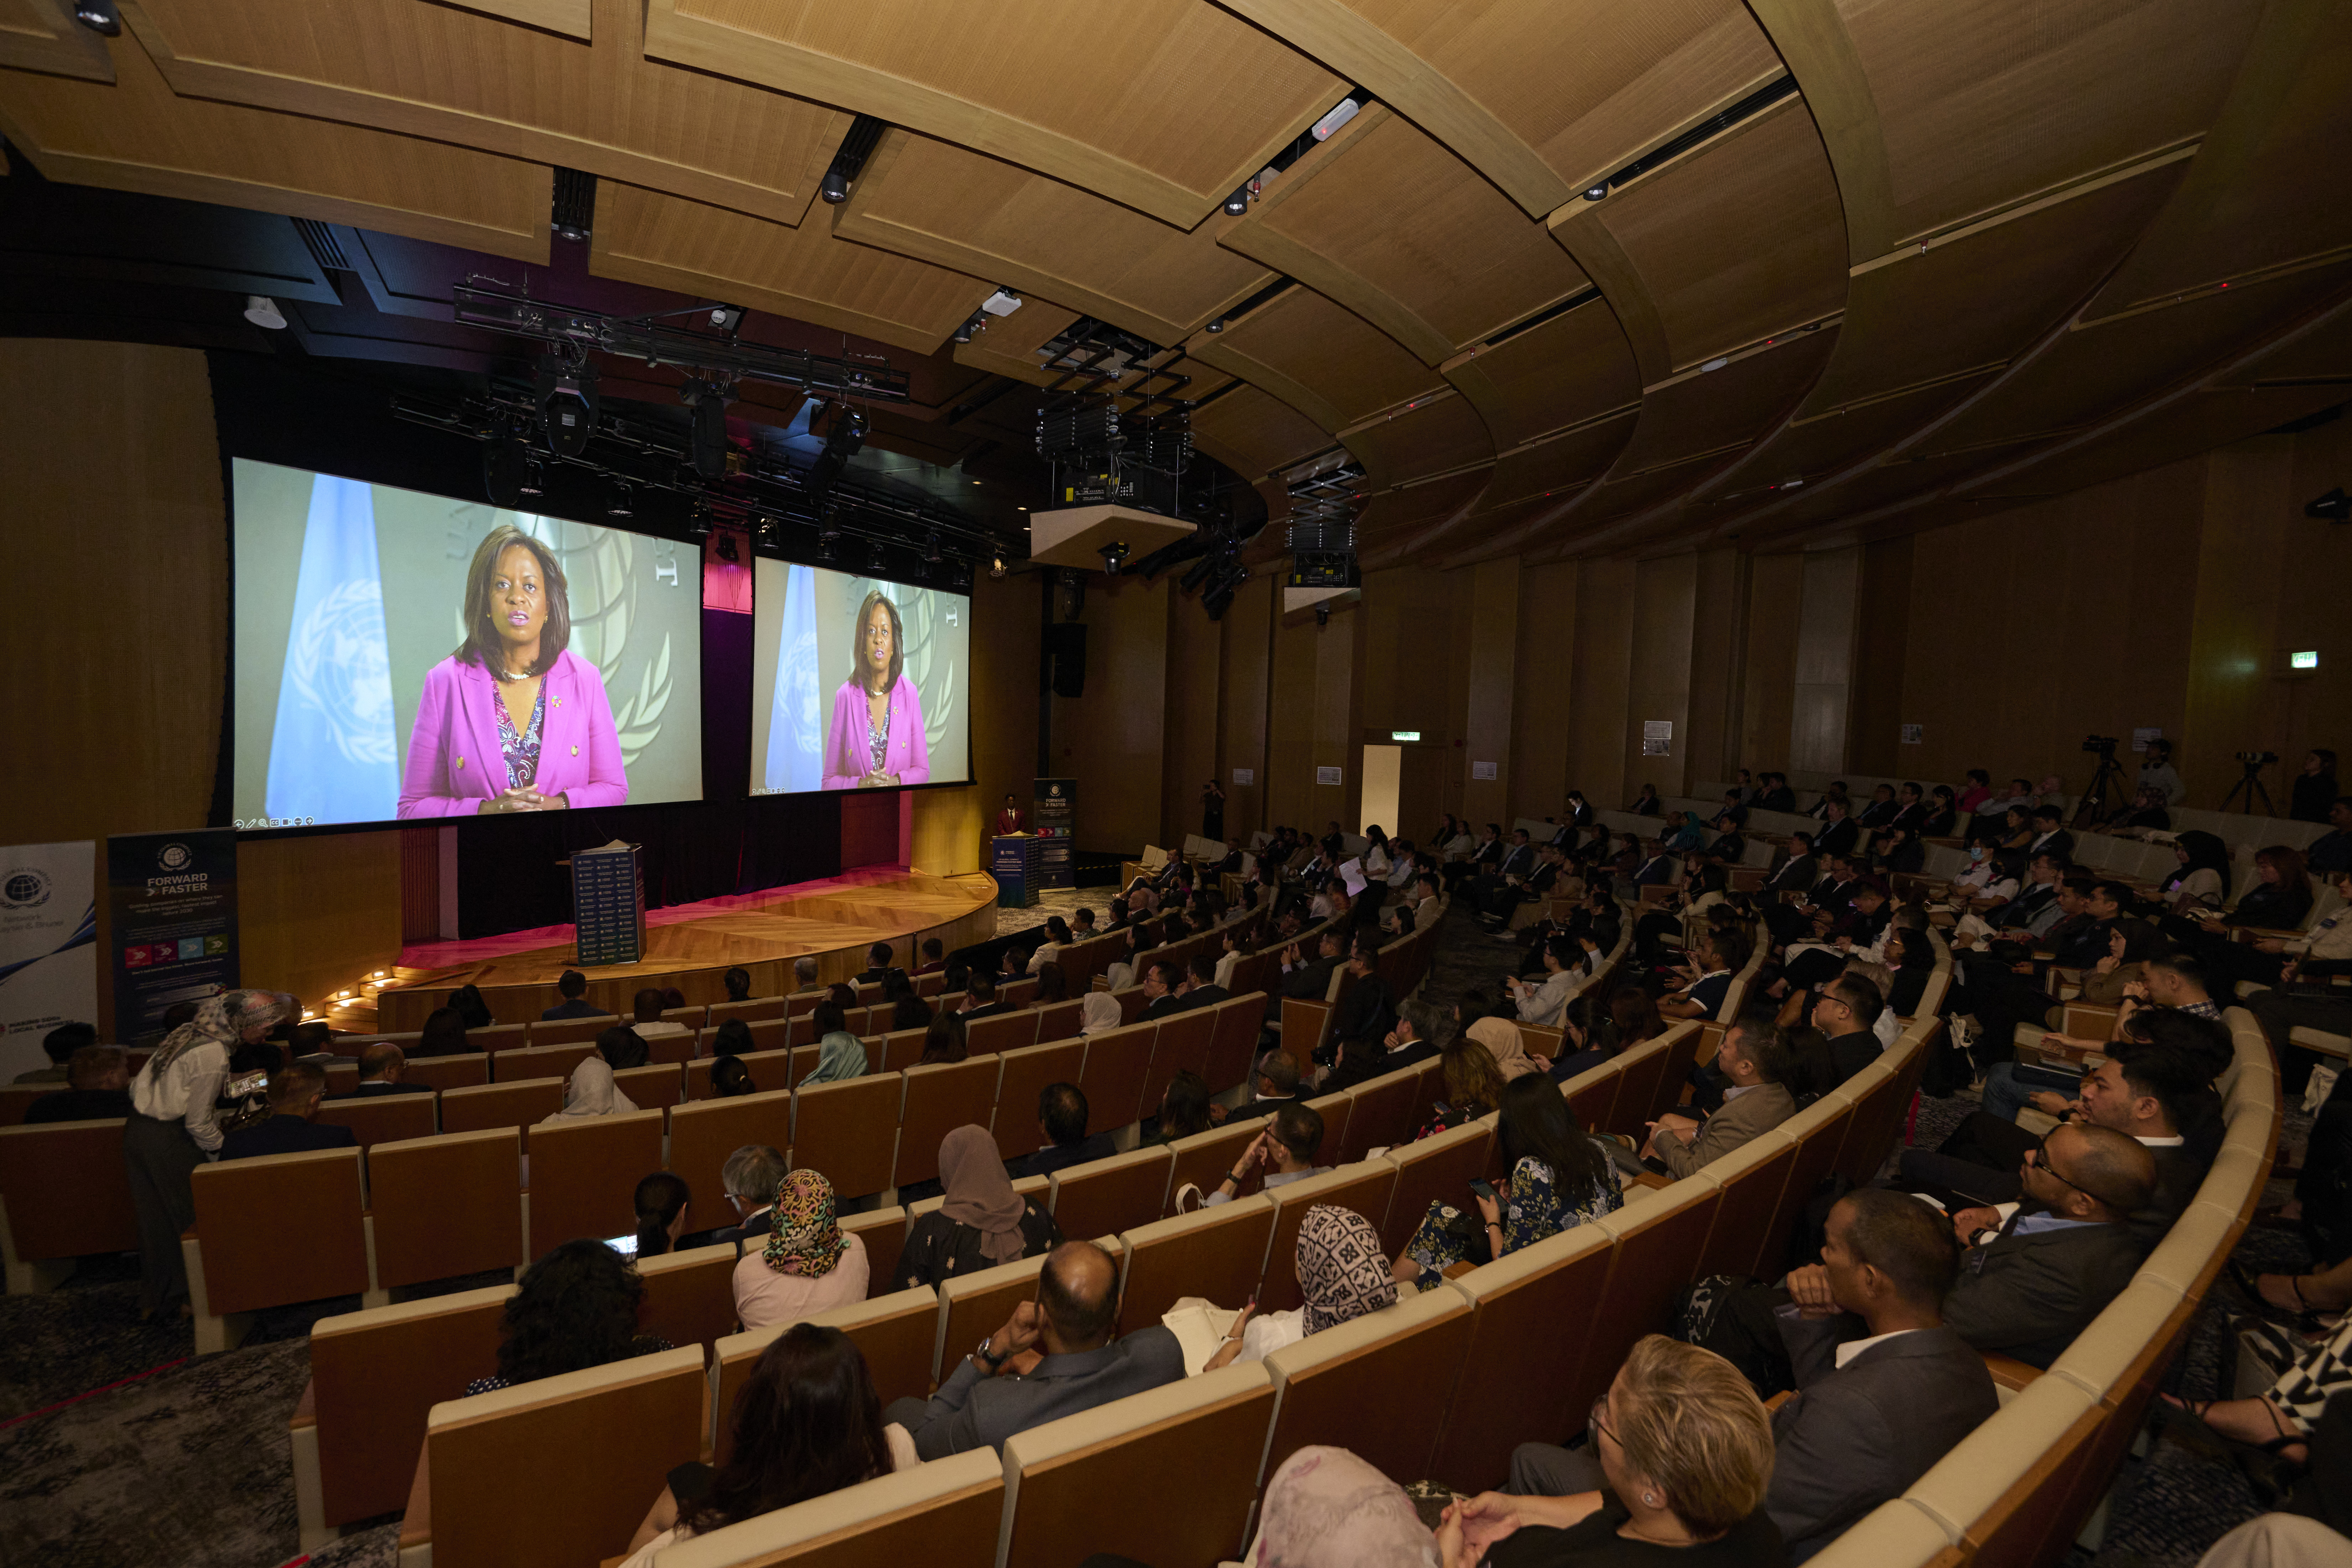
(1482, 770)
(1244, 776)
(1915, 734)
(1326, 775)
(1657, 729)
(1404, 734)
(2307, 659)
(2140, 738)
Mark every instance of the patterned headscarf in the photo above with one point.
(223, 1019)
(1501, 1037)
(803, 1231)
(1341, 1268)
(1327, 1508)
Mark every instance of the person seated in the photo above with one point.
(622, 1048)
(804, 978)
(1589, 1028)
(1753, 1064)
(730, 1080)
(1341, 1277)
(1160, 978)
(1846, 1018)
(943, 1041)
(1307, 979)
(590, 1091)
(1546, 1003)
(982, 1223)
(877, 964)
(661, 1200)
(809, 1264)
(297, 1090)
(1414, 1040)
(1202, 986)
(98, 1087)
(1062, 1116)
(381, 1066)
(980, 998)
(2285, 1418)
(1058, 937)
(748, 1178)
(576, 1308)
(840, 1054)
(1838, 834)
(649, 1023)
(1185, 1109)
(1678, 1469)
(1367, 1008)
(443, 1034)
(60, 1044)
(573, 986)
(1275, 1086)
(1288, 1147)
(1062, 1356)
(806, 1424)
(1721, 955)
(1470, 1086)
(1557, 1178)
(737, 982)
(731, 1038)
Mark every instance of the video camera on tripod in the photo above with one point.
(2256, 759)
(2103, 745)
(2247, 788)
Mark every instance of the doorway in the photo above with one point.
(1383, 771)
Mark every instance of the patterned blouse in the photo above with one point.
(521, 750)
(1534, 1208)
(877, 741)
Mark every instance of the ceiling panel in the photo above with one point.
(1710, 411)
(1561, 464)
(41, 35)
(1558, 372)
(1164, 105)
(1324, 360)
(1254, 434)
(1443, 432)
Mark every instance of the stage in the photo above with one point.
(690, 946)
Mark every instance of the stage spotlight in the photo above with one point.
(567, 405)
(825, 550)
(849, 436)
(931, 546)
(768, 533)
(1238, 203)
(707, 444)
(725, 318)
(571, 207)
(1197, 574)
(1594, 192)
(2333, 506)
(834, 187)
(619, 500)
(261, 309)
(534, 476)
(698, 521)
(849, 159)
(1114, 556)
(996, 563)
(725, 549)
(963, 334)
(99, 16)
(1218, 325)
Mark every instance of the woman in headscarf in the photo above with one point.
(984, 1222)
(1501, 1037)
(1099, 1013)
(809, 1266)
(2203, 880)
(1327, 1508)
(1343, 1275)
(2130, 944)
(591, 1092)
(173, 1129)
(839, 1054)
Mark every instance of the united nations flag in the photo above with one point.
(333, 757)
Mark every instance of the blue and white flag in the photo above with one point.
(332, 756)
(795, 719)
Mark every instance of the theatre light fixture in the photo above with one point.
(849, 160)
(1238, 203)
(566, 392)
(263, 311)
(99, 16)
(619, 500)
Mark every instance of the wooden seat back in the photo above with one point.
(1441, 1166)
(1385, 1112)
(1180, 1046)
(944, 1514)
(675, 1048)
(550, 1474)
(939, 1099)
(1001, 1032)
(752, 1011)
(694, 1016)
(1819, 1130)
(1518, 1367)
(1104, 1197)
(1592, 1094)
(1233, 1045)
(375, 1375)
(467, 1069)
(538, 1061)
(1023, 1073)
(1018, 993)
(1365, 1188)
(1658, 1238)
(769, 1069)
(1682, 1052)
(501, 1105)
(562, 1031)
(65, 1190)
(1204, 1159)
(702, 1136)
(691, 1295)
(896, 1331)
(498, 1038)
(1377, 1386)
(884, 1231)
(1060, 1021)
(653, 1087)
(1217, 1253)
(583, 1176)
(275, 1229)
(1641, 1076)
(896, 1052)
(850, 1132)
(974, 1305)
(16, 1099)
(382, 1118)
(1755, 1183)
(1112, 1076)
(446, 1206)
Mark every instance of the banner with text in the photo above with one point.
(172, 900)
(1053, 817)
(48, 952)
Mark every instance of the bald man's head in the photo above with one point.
(383, 1060)
(1078, 1292)
(2115, 1171)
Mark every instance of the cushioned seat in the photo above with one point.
(1234, 1046)
(1026, 1071)
(1898, 1534)
(1204, 1159)
(461, 1071)
(583, 1176)
(1378, 1385)
(1364, 1187)
(972, 1306)
(382, 1118)
(270, 1231)
(1002, 1032)
(769, 1070)
(1754, 1179)
(1642, 1081)
(944, 1514)
(1112, 1076)
(1217, 1253)
(1103, 1197)
(1518, 1367)
(447, 1205)
(884, 1231)
(538, 1061)
(1658, 1235)
(702, 1136)
(64, 1192)
(850, 1132)
(1592, 1093)
(752, 1010)
(557, 1031)
(897, 1332)
(691, 1295)
(501, 1105)
(2004, 1487)
(1180, 1046)
(653, 1087)
(939, 1099)
(1383, 1114)
(1440, 1166)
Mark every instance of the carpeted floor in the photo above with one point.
(120, 1448)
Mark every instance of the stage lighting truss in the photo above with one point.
(1324, 500)
(1115, 423)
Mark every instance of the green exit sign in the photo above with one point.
(1415, 734)
(2307, 659)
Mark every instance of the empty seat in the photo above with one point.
(702, 1136)
(1754, 1178)
(64, 1192)
(443, 1207)
(553, 1473)
(373, 1376)
(654, 1087)
(1162, 1477)
(501, 1105)
(1216, 1253)
(948, 1514)
(514, 1037)
(1025, 1072)
(884, 1231)
(1234, 1046)
(1182, 1046)
(1106, 1196)
(382, 1118)
(1658, 1236)
(1441, 1165)
(1592, 1093)
(1002, 1032)
(896, 1052)
(461, 1071)
(1364, 1187)
(691, 1295)
(1112, 1076)
(538, 1061)
(1518, 1368)
(939, 1099)
(1378, 1385)
(1640, 1081)
(897, 1332)
(750, 1012)
(583, 1176)
(1060, 1021)
(849, 1132)
(270, 1231)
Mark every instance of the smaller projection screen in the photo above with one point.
(856, 683)
(402, 656)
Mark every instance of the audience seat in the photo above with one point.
(1106, 1196)
(1365, 1187)
(849, 1132)
(501, 1105)
(1591, 1095)
(16, 1099)
(702, 1135)
(752, 1011)
(884, 1231)
(538, 1061)
(65, 1194)
(1519, 1367)
(445, 1207)
(948, 1514)
(552, 1032)
(270, 1231)
(375, 1375)
(1440, 1166)
(1642, 1083)
(1658, 1236)
(1204, 1159)
(690, 1295)
(897, 1051)
(972, 1306)
(467, 1070)
(1378, 1385)
(1112, 1075)
(2002, 1494)
(896, 1331)
(554, 1473)
(1218, 1253)
(1819, 1130)
(1002, 1032)
(1026, 1071)
(1182, 1046)
(1234, 1048)
(1060, 1021)
(654, 1087)
(1383, 1111)
(675, 1048)
(939, 1099)
(585, 1173)
(1162, 1477)
(767, 1070)
(1754, 1180)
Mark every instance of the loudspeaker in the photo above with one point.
(1066, 652)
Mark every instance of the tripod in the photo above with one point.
(2094, 808)
(2250, 786)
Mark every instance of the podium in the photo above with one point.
(1014, 860)
(608, 905)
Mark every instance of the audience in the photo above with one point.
(576, 1308)
(60, 1044)
(1276, 1084)
(380, 1066)
(730, 1080)
(731, 1038)
(749, 1178)
(809, 1265)
(1558, 1177)
(573, 986)
(1288, 1147)
(98, 1087)
(1062, 1118)
(660, 1200)
(943, 1041)
(475, 1013)
(980, 998)
(737, 982)
(982, 1223)
(591, 1092)
(1342, 1276)
(443, 1034)
(1185, 1108)
(649, 1025)
(622, 1048)
(877, 964)
(297, 1090)
(1753, 1063)
(804, 978)
(840, 1055)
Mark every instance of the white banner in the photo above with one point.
(48, 950)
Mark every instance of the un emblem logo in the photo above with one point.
(173, 857)
(341, 665)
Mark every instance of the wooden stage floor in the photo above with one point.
(690, 946)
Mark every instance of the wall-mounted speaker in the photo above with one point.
(1065, 655)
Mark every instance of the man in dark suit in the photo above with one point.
(1519, 860)
(1880, 811)
(1799, 872)
(1160, 979)
(1062, 1117)
(573, 986)
(1201, 988)
(980, 998)
(97, 1089)
(877, 964)
(751, 1178)
(1776, 794)
(380, 1066)
(1367, 1009)
(1061, 1356)
(1310, 980)
(1276, 1087)
(1838, 834)
(296, 1092)
(1847, 1016)
(2048, 837)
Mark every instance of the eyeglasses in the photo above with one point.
(1592, 1419)
(2039, 1156)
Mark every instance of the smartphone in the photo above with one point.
(626, 1246)
(1484, 1189)
(1440, 1106)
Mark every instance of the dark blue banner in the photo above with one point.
(172, 910)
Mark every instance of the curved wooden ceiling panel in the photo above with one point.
(432, 70)
(41, 35)
(1438, 433)
(1323, 360)
(1164, 105)
(1557, 466)
(1556, 374)
(1254, 434)
(1386, 221)
(994, 219)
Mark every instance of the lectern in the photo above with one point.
(1013, 858)
(608, 904)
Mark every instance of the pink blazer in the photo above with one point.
(848, 757)
(454, 761)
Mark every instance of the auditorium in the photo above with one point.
(1328, 784)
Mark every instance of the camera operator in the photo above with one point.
(2157, 773)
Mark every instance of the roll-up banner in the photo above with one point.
(1053, 813)
(48, 952)
(171, 901)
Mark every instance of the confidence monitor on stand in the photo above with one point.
(608, 905)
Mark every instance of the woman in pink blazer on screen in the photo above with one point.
(875, 738)
(514, 720)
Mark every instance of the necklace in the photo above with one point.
(503, 673)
